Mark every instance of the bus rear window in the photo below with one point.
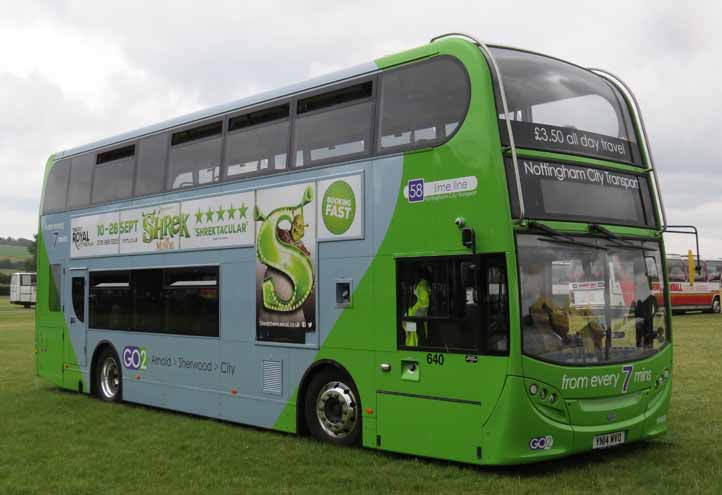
(555, 105)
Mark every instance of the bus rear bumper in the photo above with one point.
(518, 432)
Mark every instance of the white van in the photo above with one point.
(22, 289)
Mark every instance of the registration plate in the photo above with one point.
(608, 440)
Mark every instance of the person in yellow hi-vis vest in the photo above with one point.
(422, 291)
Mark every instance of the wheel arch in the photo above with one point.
(315, 368)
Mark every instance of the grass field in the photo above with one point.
(58, 442)
(15, 253)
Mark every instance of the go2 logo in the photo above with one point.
(541, 443)
(135, 358)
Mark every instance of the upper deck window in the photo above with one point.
(56, 187)
(80, 181)
(113, 179)
(150, 173)
(554, 105)
(257, 141)
(195, 156)
(422, 104)
(333, 125)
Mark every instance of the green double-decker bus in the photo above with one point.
(454, 252)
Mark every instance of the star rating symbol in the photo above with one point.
(231, 212)
(209, 215)
(242, 210)
(220, 212)
(199, 216)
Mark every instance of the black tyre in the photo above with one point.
(333, 408)
(716, 305)
(109, 376)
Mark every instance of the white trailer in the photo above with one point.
(22, 289)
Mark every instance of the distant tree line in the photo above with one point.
(26, 265)
(4, 284)
(14, 265)
(21, 241)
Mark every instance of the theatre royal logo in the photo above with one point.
(81, 237)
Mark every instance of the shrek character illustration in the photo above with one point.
(284, 251)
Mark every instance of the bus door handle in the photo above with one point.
(385, 367)
(73, 320)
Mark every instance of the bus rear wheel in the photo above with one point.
(333, 409)
(109, 377)
(716, 305)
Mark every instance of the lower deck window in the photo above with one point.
(111, 301)
(55, 282)
(191, 301)
(180, 301)
(78, 296)
(454, 304)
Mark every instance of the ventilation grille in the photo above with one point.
(272, 377)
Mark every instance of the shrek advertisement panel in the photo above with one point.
(286, 263)
(212, 222)
(289, 222)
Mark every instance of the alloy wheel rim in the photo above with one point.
(109, 377)
(337, 409)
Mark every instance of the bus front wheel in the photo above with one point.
(333, 409)
(716, 305)
(109, 377)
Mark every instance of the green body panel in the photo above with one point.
(506, 417)
(50, 325)
(56, 360)
(428, 229)
(476, 412)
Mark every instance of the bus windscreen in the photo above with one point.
(585, 304)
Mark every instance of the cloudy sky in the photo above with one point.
(72, 72)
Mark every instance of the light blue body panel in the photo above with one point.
(223, 377)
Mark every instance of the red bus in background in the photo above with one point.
(703, 293)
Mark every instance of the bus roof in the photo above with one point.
(355, 71)
(260, 98)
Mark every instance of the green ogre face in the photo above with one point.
(298, 228)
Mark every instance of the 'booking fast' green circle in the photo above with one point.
(338, 207)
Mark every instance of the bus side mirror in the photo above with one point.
(468, 238)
